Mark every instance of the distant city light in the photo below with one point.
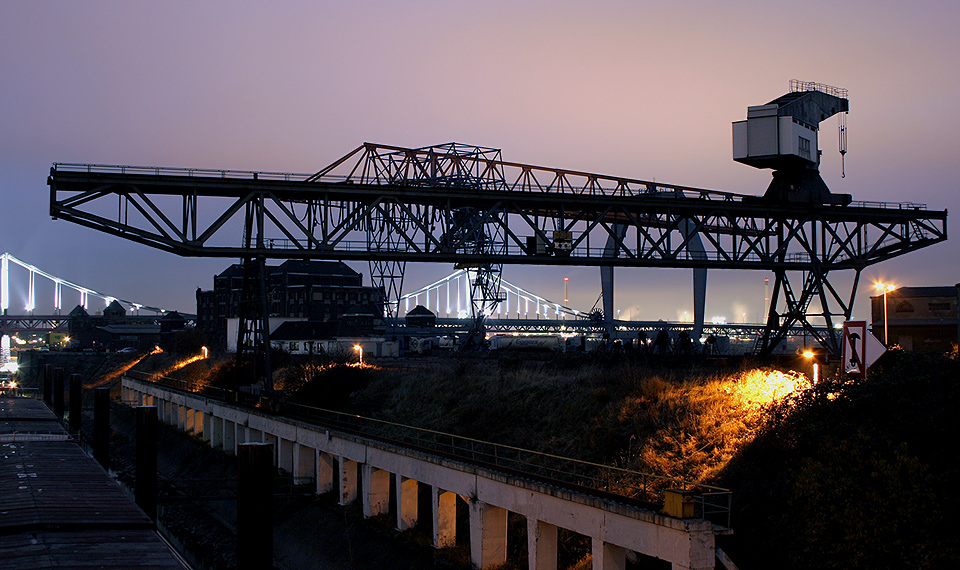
(717, 320)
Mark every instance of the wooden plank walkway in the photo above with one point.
(59, 508)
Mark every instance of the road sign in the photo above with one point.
(860, 348)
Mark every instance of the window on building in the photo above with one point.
(294, 346)
(804, 148)
(904, 307)
(939, 306)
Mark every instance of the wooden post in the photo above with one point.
(254, 506)
(58, 392)
(48, 384)
(101, 426)
(146, 480)
(76, 403)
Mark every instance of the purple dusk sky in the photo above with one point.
(630, 88)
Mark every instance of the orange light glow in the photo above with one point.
(118, 371)
(764, 388)
(185, 362)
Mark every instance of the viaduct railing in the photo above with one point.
(712, 503)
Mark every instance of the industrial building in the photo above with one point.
(317, 291)
(918, 319)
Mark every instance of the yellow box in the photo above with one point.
(678, 503)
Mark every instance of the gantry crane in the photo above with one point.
(465, 205)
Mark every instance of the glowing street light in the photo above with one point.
(808, 354)
(205, 351)
(884, 287)
(359, 349)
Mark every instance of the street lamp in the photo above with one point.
(359, 349)
(566, 301)
(808, 354)
(884, 287)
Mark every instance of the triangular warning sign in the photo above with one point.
(860, 348)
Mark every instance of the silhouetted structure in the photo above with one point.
(321, 291)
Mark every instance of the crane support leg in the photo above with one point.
(695, 246)
(253, 332)
(606, 274)
(796, 310)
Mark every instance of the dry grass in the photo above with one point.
(685, 424)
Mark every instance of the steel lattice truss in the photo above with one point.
(463, 205)
(31, 323)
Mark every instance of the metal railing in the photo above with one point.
(177, 171)
(661, 191)
(713, 503)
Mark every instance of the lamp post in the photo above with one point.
(809, 355)
(884, 287)
(566, 301)
(359, 349)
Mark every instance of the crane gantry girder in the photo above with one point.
(464, 205)
(201, 213)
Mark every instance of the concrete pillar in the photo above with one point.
(181, 417)
(275, 442)
(488, 535)
(376, 491)
(406, 508)
(216, 432)
(607, 556)
(541, 545)
(304, 462)
(243, 434)
(444, 518)
(285, 451)
(348, 480)
(230, 437)
(205, 420)
(324, 472)
(189, 420)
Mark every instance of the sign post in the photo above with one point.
(860, 348)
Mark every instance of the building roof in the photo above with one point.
(130, 329)
(115, 309)
(313, 268)
(319, 268)
(420, 311)
(173, 316)
(79, 311)
(907, 292)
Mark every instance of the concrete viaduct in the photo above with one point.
(336, 460)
